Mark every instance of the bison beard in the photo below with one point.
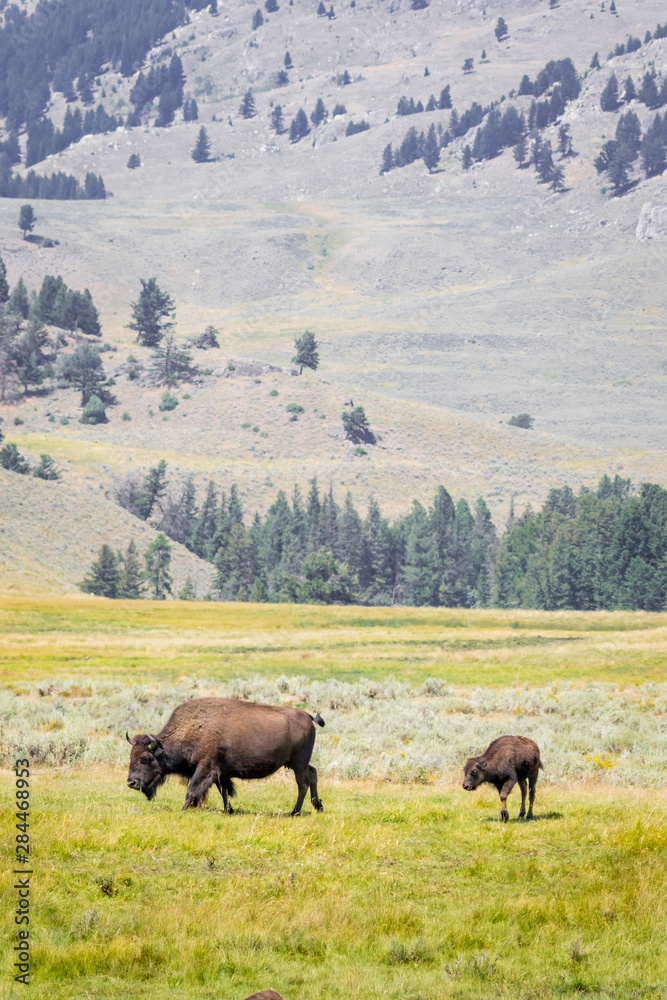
(212, 740)
(506, 761)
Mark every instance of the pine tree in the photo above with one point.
(299, 126)
(445, 100)
(94, 411)
(501, 30)
(187, 591)
(314, 538)
(618, 170)
(277, 123)
(153, 489)
(320, 113)
(555, 178)
(103, 579)
(520, 150)
(151, 313)
(158, 559)
(4, 286)
(653, 151)
(321, 10)
(467, 158)
(257, 19)
(609, 96)
(47, 469)
(236, 564)
(564, 141)
(202, 149)
(349, 535)
(130, 585)
(374, 561)
(325, 580)
(420, 578)
(271, 6)
(205, 525)
(387, 159)
(27, 220)
(648, 92)
(629, 91)
(29, 354)
(13, 461)
(83, 369)
(356, 426)
(431, 155)
(307, 355)
(247, 108)
(595, 62)
(287, 61)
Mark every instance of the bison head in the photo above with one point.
(147, 770)
(474, 773)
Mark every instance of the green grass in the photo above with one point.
(406, 888)
(393, 892)
(166, 640)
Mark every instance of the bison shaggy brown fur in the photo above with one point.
(210, 741)
(504, 762)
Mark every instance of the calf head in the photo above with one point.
(474, 773)
(147, 764)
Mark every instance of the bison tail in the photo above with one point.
(317, 719)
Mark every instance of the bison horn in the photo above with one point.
(155, 746)
(128, 738)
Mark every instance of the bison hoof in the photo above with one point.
(505, 816)
(319, 807)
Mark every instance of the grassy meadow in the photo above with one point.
(406, 887)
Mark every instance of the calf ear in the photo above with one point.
(482, 765)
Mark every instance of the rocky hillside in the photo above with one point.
(444, 301)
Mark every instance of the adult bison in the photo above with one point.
(504, 762)
(212, 740)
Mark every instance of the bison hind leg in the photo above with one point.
(226, 788)
(524, 789)
(532, 781)
(312, 781)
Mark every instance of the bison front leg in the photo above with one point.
(199, 786)
(504, 792)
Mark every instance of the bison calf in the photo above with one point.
(504, 762)
(212, 740)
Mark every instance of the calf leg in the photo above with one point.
(312, 780)
(524, 789)
(199, 786)
(532, 781)
(504, 792)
